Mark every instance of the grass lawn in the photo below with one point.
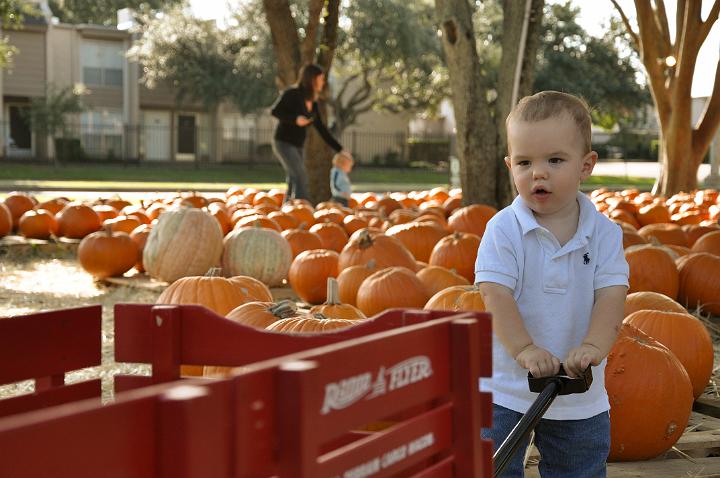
(221, 176)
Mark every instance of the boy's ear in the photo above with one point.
(588, 164)
(507, 161)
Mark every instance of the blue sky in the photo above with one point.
(593, 14)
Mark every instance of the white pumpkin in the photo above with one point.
(259, 253)
(185, 242)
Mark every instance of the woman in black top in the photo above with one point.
(296, 109)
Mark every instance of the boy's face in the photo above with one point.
(548, 163)
(345, 165)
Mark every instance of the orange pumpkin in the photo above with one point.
(261, 314)
(685, 336)
(365, 245)
(648, 300)
(457, 251)
(652, 269)
(18, 204)
(459, 297)
(301, 240)
(6, 223)
(77, 220)
(699, 285)
(139, 235)
(54, 205)
(418, 237)
(332, 235)
(349, 281)
(472, 219)
(709, 242)
(391, 287)
(310, 324)
(333, 308)
(38, 224)
(106, 254)
(309, 274)
(665, 233)
(650, 396)
(353, 223)
(437, 278)
(656, 212)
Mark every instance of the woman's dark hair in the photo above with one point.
(305, 79)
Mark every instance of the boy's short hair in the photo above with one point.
(339, 158)
(548, 104)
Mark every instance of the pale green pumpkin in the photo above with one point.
(259, 253)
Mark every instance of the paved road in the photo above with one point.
(640, 169)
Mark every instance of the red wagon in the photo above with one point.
(298, 406)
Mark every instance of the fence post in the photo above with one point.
(167, 342)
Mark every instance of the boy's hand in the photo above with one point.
(538, 361)
(303, 120)
(580, 358)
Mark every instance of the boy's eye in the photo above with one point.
(556, 160)
(523, 163)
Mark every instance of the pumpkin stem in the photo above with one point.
(214, 272)
(332, 292)
(107, 228)
(283, 309)
(365, 239)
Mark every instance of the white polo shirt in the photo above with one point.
(554, 289)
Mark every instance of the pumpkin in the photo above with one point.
(107, 254)
(391, 287)
(353, 223)
(695, 232)
(309, 273)
(650, 396)
(217, 293)
(349, 281)
(457, 251)
(105, 212)
(6, 223)
(38, 224)
(699, 274)
(652, 269)
(310, 324)
(284, 220)
(77, 220)
(301, 240)
(437, 278)
(125, 224)
(365, 245)
(459, 297)
(54, 205)
(333, 308)
(665, 233)
(222, 217)
(139, 235)
(185, 242)
(648, 300)
(471, 219)
(257, 252)
(685, 336)
(709, 242)
(418, 237)
(260, 314)
(18, 204)
(258, 220)
(332, 235)
(302, 213)
(654, 213)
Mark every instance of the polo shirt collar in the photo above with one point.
(528, 223)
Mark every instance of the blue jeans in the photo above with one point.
(568, 448)
(292, 160)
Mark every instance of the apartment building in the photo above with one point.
(125, 120)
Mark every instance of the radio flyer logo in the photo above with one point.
(342, 394)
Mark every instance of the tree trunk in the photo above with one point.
(682, 144)
(318, 155)
(514, 44)
(286, 42)
(475, 129)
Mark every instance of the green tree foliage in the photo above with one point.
(389, 59)
(202, 62)
(571, 60)
(47, 114)
(575, 62)
(12, 13)
(102, 12)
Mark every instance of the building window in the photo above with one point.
(102, 63)
(101, 132)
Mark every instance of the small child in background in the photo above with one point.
(340, 185)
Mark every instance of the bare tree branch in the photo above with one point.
(285, 40)
(662, 21)
(709, 22)
(710, 119)
(308, 44)
(626, 22)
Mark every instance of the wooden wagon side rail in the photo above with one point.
(168, 336)
(292, 416)
(43, 347)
